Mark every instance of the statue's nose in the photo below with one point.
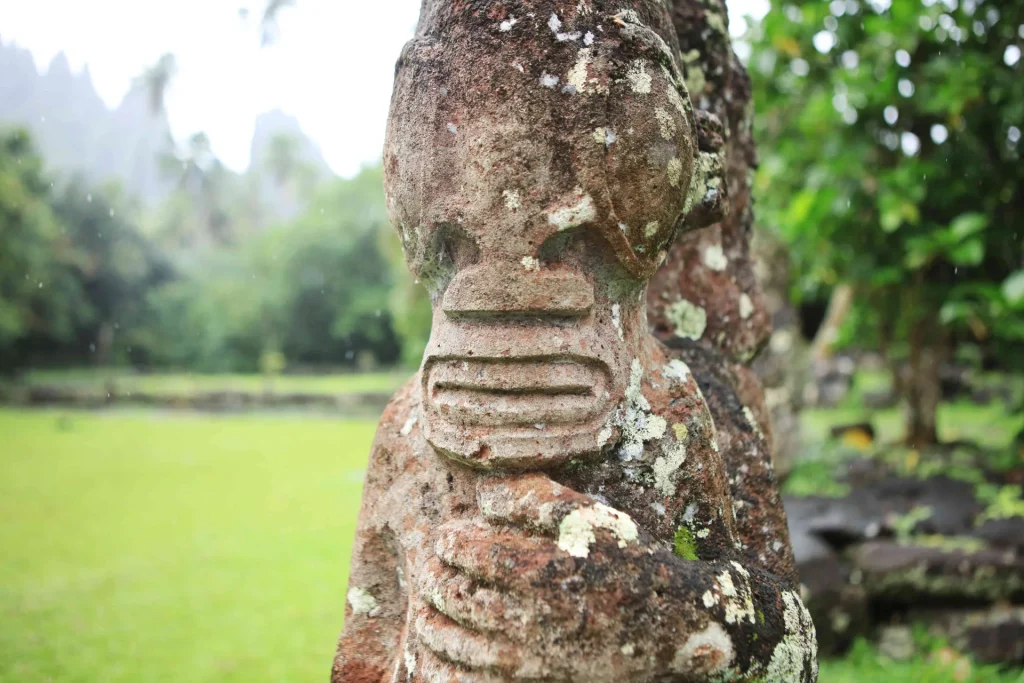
(500, 289)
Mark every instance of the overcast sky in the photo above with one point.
(332, 66)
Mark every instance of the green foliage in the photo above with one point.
(890, 141)
(38, 295)
(1002, 502)
(934, 662)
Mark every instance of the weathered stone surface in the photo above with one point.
(548, 499)
(992, 635)
(907, 573)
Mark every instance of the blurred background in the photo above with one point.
(203, 310)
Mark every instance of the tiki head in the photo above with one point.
(535, 191)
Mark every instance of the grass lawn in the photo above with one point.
(97, 379)
(159, 547)
(151, 547)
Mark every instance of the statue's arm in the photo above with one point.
(376, 598)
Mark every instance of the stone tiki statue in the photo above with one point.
(547, 499)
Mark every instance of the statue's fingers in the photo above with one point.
(506, 560)
(476, 607)
(433, 669)
(454, 643)
(528, 500)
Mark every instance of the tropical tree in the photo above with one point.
(155, 81)
(890, 136)
(39, 296)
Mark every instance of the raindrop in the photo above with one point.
(939, 133)
(910, 144)
(906, 88)
(1013, 135)
(903, 58)
(824, 41)
(1011, 55)
(891, 114)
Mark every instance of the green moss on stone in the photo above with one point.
(684, 545)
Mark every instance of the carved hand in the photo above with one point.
(554, 572)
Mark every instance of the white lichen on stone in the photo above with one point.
(737, 596)
(579, 75)
(638, 78)
(512, 199)
(573, 216)
(675, 171)
(617, 319)
(530, 263)
(410, 661)
(628, 649)
(708, 652)
(665, 468)
(688, 319)
(677, 370)
(588, 39)
(704, 179)
(637, 425)
(798, 649)
(576, 532)
(362, 602)
(709, 599)
(752, 421)
(452, 128)
(746, 306)
(651, 229)
(507, 25)
(666, 123)
(675, 99)
(409, 424)
(548, 80)
(554, 23)
(714, 258)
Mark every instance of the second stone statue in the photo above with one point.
(546, 499)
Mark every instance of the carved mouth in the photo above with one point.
(516, 393)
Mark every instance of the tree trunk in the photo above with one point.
(839, 305)
(921, 390)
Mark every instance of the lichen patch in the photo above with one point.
(638, 78)
(746, 306)
(576, 532)
(675, 171)
(568, 217)
(714, 258)
(362, 602)
(708, 652)
(688, 319)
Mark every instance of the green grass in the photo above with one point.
(96, 381)
(147, 547)
(934, 663)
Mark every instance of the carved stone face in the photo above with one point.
(534, 196)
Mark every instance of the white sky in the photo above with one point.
(332, 66)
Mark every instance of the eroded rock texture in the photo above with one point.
(557, 496)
